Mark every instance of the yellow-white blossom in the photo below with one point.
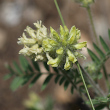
(33, 43)
(62, 48)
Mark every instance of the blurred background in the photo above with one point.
(15, 15)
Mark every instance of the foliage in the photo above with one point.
(100, 102)
(26, 72)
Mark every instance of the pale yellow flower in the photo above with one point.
(33, 43)
(61, 48)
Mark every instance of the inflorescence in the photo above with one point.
(58, 49)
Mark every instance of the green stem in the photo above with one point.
(85, 85)
(70, 80)
(92, 24)
(59, 12)
(98, 91)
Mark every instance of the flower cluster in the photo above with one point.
(60, 50)
(33, 46)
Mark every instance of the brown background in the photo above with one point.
(15, 15)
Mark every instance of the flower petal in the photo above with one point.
(62, 31)
(30, 31)
(72, 35)
(54, 62)
(26, 41)
(54, 34)
(67, 65)
(59, 51)
(38, 24)
(39, 57)
(66, 29)
(71, 57)
(80, 45)
(78, 34)
(66, 34)
(25, 51)
(41, 31)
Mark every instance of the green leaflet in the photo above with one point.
(62, 80)
(66, 84)
(105, 46)
(16, 83)
(48, 78)
(102, 55)
(57, 78)
(18, 69)
(25, 64)
(93, 56)
(9, 75)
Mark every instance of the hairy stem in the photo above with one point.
(59, 12)
(85, 85)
